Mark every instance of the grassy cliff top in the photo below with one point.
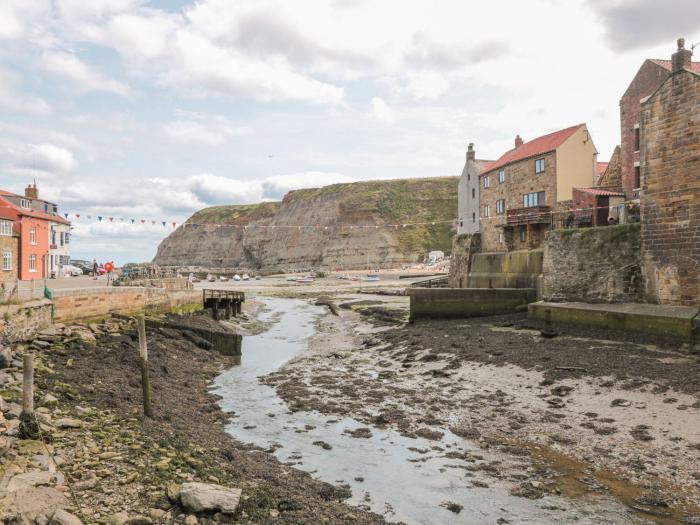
(235, 213)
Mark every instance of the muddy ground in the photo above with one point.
(587, 413)
(112, 460)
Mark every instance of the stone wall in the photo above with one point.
(9, 243)
(71, 305)
(520, 179)
(19, 322)
(467, 302)
(463, 247)
(593, 264)
(670, 201)
(516, 269)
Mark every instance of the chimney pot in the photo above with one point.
(518, 141)
(31, 192)
(471, 154)
(682, 58)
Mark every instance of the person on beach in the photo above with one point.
(94, 269)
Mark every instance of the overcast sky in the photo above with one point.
(131, 108)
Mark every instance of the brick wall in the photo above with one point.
(70, 305)
(670, 202)
(649, 77)
(11, 244)
(520, 179)
(593, 264)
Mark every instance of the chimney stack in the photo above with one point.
(31, 191)
(518, 141)
(471, 154)
(681, 58)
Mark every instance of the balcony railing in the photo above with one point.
(531, 215)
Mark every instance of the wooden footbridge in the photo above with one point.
(223, 304)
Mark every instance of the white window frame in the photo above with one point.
(7, 261)
(500, 206)
(487, 210)
(25, 203)
(501, 176)
(32, 236)
(487, 181)
(539, 163)
(5, 228)
(32, 263)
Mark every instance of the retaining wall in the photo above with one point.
(467, 302)
(516, 269)
(20, 322)
(595, 265)
(85, 303)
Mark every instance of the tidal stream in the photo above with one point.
(387, 472)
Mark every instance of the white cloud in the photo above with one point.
(381, 111)
(50, 158)
(71, 67)
(13, 101)
(212, 132)
(427, 85)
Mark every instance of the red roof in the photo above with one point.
(601, 191)
(30, 213)
(537, 146)
(601, 167)
(666, 64)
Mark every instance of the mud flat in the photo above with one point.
(594, 426)
(102, 462)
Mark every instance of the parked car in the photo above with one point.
(71, 271)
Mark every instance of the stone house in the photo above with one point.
(526, 191)
(9, 249)
(651, 75)
(670, 198)
(468, 193)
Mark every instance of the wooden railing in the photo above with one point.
(223, 294)
(531, 215)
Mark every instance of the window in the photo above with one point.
(637, 178)
(62, 238)
(25, 203)
(487, 182)
(32, 236)
(7, 260)
(66, 238)
(636, 138)
(473, 193)
(539, 166)
(523, 234)
(501, 176)
(487, 211)
(473, 216)
(6, 228)
(500, 206)
(500, 237)
(32, 263)
(53, 236)
(533, 199)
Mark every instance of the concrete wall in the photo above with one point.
(670, 201)
(593, 264)
(70, 305)
(517, 269)
(463, 249)
(466, 302)
(19, 322)
(576, 163)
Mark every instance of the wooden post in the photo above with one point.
(28, 424)
(143, 358)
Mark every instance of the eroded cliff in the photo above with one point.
(380, 223)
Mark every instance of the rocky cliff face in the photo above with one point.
(343, 225)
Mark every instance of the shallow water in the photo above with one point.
(401, 484)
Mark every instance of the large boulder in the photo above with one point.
(62, 517)
(5, 357)
(207, 497)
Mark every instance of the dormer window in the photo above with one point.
(25, 203)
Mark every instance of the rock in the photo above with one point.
(156, 514)
(68, 422)
(120, 518)
(139, 520)
(620, 403)
(86, 484)
(172, 491)
(108, 455)
(13, 411)
(49, 399)
(62, 517)
(35, 478)
(38, 343)
(5, 357)
(205, 497)
(562, 390)
(191, 519)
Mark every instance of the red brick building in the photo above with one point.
(670, 199)
(651, 75)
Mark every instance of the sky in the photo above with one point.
(155, 109)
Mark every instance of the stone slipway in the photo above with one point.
(678, 321)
